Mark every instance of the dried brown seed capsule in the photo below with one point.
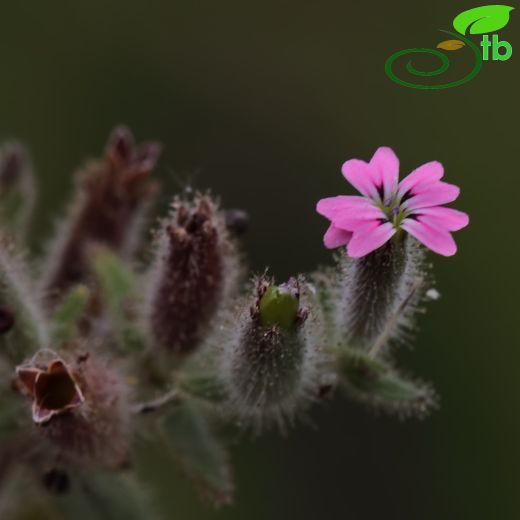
(112, 194)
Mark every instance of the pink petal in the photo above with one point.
(386, 164)
(369, 237)
(433, 195)
(351, 220)
(435, 238)
(28, 377)
(41, 415)
(421, 176)
(448, 218)
(330, 206)
(335, 237)
(361, 176)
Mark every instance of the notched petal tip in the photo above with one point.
(387, 163)
(335, 237)
(422, 176)
(434, 194)
(360, 175)
(437, 239)
(440, 216)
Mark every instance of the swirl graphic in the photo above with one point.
(444, 65)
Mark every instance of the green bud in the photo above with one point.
(269, 367)
(279, 306)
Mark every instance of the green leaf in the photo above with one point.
(9, 416)
(18, 292)
(201, 456)
(325, 298)
(11, 406)
(68, 315)
(374, 381)
(114, 276)
(119, 286)
(104, 496)
(484, 19)
(203, 385)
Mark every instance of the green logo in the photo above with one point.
(480, 20)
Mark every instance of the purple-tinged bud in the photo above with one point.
(194, 273)
(112, 197)
(81, 406)
(237, 221)
(270, 366)
(11, 165)
(17, 190)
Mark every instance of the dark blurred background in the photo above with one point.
(262, 102)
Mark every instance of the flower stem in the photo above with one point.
(171, 397)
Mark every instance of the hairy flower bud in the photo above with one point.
(374, 288)
(194, 272)
(112, 195)
(79, 406)
(270, 366)
(17, 191)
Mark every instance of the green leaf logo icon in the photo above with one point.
(481, 20)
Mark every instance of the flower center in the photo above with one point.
(54, 391)
(391, 207)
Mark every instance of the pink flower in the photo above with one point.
(387, 206)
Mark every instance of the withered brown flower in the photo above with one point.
(111, 197)
(80, 404)
(53, 389)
